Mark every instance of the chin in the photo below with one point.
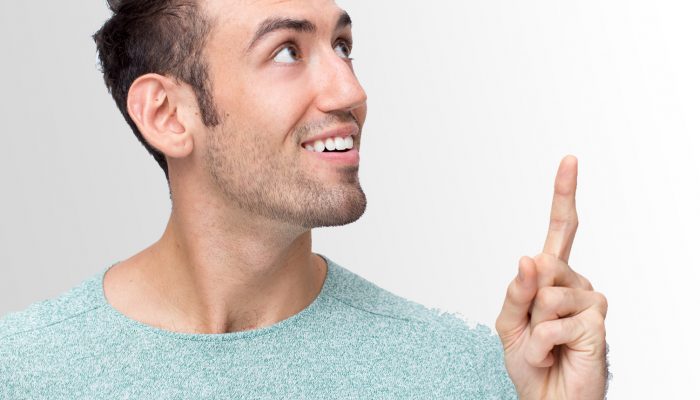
(351, 212)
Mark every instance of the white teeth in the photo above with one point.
(339, 143)
(336, 143)
(330, 144)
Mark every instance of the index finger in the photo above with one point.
(563, 219)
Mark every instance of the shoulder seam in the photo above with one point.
(371, 312)
(51, 323)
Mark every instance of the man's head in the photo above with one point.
(224, 92)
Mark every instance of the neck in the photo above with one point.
(209, 274)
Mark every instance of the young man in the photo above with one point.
(254, 113)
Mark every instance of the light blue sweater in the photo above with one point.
(355, 341)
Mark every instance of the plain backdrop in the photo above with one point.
(472, 104)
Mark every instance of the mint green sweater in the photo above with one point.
(355, 341)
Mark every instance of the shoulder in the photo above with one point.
(466, 355)
(49, 312)
(354, 290)
(40, 343)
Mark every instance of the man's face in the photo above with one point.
(292, 84)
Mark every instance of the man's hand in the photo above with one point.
(552, 324)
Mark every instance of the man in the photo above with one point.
(254, 113)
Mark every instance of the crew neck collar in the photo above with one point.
(123, 320)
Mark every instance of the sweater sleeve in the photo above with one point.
(496, 382)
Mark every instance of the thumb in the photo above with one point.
(514, 316)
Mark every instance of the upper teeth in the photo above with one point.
(332, 143)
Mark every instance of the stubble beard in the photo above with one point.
(275, 186)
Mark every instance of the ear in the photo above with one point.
(158, 107)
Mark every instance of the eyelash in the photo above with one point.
(291, 43)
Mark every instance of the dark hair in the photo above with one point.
(166, 37)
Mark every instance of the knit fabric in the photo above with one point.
(354, 341)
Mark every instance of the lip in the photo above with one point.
(343, 131)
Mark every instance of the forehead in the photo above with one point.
(243, 16)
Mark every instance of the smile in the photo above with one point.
(331, 144)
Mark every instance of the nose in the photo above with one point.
(337, 86)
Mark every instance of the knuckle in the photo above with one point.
(585, 282)
(596, 322)
(557, 223)
(548, 298)
(599, 323)
(564, 223)
(541, 265)
(541, 259)
(602, 302)
(546, 333)
(546, 268)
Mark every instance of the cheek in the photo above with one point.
(276, 103)
(267, 101)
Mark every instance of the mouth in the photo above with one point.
(333, 144)
(333, 140)
(336, 145)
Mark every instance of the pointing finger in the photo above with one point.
(563, 219)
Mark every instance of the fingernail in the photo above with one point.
(521, 277)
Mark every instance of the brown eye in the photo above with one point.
(288, 54)
(343, 50)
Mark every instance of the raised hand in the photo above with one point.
(552, 324)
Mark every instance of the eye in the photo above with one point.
(287, 55)
(343, 49)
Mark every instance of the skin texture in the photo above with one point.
(552, 321)
(236, 252)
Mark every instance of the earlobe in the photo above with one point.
(152, 104)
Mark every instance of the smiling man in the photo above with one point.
(254, 113)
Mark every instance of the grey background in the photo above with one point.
(471, 107)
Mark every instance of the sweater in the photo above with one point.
(354, 341)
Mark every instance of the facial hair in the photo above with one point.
(256, 178)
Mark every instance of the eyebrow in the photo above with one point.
(299, 25)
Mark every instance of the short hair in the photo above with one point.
(166, 37)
